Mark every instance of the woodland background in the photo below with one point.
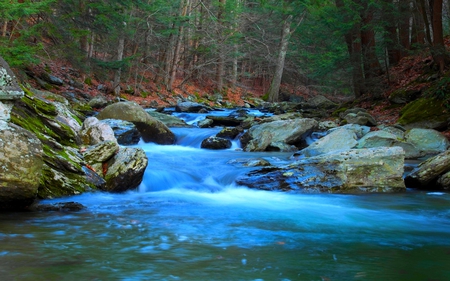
(335, 47)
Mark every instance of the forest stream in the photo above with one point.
(189, 221)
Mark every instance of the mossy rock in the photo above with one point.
(403, 96)
(429, 113)
(39, 116)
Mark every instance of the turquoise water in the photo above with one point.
(189, 221)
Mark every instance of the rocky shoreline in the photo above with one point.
(52, 147)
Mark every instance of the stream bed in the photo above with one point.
(189, 221)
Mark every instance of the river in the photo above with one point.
(189, 221)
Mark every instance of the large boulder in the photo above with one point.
(428, 173)
(350, 171)
(340, 139)
(125, 170)
(428, 113)
(387, 139)
(63, 172)
(21, 162)
(281, 135)
(428, 141)
(151, 129)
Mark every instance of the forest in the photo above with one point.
(339, 47)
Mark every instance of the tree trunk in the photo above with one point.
(220, 70)
(391, 36)
(353, 40)
(438, 49)
(372, 67)
(118, 72)
(176, 54)
(276, 81)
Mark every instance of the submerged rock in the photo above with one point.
(350, 171)
(21, 163)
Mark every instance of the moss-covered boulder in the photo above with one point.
(44, 118)
(64, 171)
(429, 113)
(21, 162)
(151, 129)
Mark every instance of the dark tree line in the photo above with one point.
(333, 45)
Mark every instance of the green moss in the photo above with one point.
(424, 109)
(88, 81)
(339, 110)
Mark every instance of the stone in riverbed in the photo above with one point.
(216, 143)
(350, 171)
(428, 172)
(151, 129)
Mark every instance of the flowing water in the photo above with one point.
(189, 221)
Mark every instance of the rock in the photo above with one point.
(64, 173)
(403, 96)
(205, 123)
(350, 171)
(231, 121)
(168, 120)
(340, 139)
(58, 207)
(273, 135)
(101, 152)
(250, 162)
(151, 129)
(360, 118)
(98, 102)
(5, 111)
(429, 171)
(94, 132)
(428, 141)
(47, 119)
(51, 79)
(444, 181)
(216, 143)
(320, 102)
(327, 125)
(189, 106)
(21, 163)
(229, 132)
(125, 132)
(9, 88)
(125, 170)
(384, 138)
(427, 113)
